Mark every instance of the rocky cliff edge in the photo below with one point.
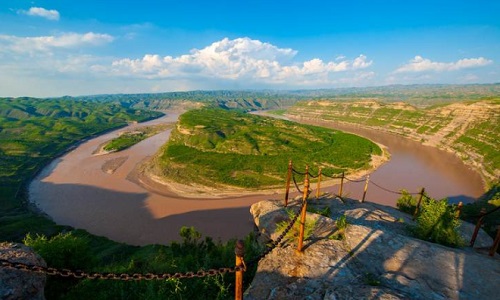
(377, 259)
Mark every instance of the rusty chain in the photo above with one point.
(278, 241)
(113, 276)
(486, 213)
(331, 176)
(148, 276)
(296, 185)
(299, 173)
(352, 180)
(388, 190)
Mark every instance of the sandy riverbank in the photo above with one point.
(156, 184)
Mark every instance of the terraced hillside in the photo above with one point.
(216, 147)
(469, 129)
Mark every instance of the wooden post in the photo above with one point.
(303, 212)
(366, 188)
(494, 248)
(478, 225)
(341, 185)
(422, 191)
(239, 250)
(459, 210)
(319, 184)
(288, 178)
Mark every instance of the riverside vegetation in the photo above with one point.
(35, 131)
(470, 129)
(130, 138)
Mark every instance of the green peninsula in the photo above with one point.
(216, 147)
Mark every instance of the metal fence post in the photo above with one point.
(341, 185)
(239, 250)
(366, 188)
(422, 191)
(319, 184)
(303, 212)
(478, 225)
(458, 210)
(494, 248)
(288, 178)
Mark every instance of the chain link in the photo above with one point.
(352, 180)
(149, 276)
(299, 173)
(113, 276)
(278, 241)
(331, 176)
(296, 185)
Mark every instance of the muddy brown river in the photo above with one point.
(74, 190)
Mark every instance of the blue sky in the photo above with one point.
(55, 48)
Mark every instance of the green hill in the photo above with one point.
(33, 131)
(219, 147)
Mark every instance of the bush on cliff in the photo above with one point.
(436, 220)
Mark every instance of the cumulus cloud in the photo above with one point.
(420, 64)
(49, 14)
(239, 59)
(46, 43)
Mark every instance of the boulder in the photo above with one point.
(19, 284)
(378, 259)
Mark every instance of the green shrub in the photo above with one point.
(190, 235)
(325, 212)
(406, 203)
(436, 222)
(64, 250)
(341, 223)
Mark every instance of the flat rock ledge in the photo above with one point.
(378, 259)
(18, 284)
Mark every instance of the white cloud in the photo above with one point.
(42, 12)
(46, 43)
(244, 59)
(420, 64)
(361, 63)
(61, 62)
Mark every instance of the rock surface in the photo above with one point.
(18, 284)
(376, 260)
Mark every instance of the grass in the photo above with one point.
(309, 226)
(128, 139)
(217, 147)
(77, 249)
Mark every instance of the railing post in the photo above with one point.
(459, 210)
(239, 250)
(366, 188)
(341, 185)
(422, 191)
(319, 184)
(288, 178)
(478, 225)
(494, 248)
(303, 212)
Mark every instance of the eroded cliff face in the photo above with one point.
(469, 129)
(18, 284)
(377, 259)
